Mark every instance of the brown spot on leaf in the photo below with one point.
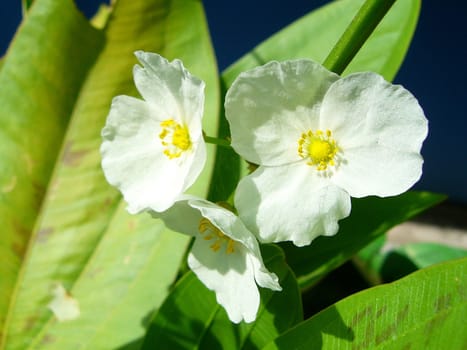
(365, 314)
(407, 346)
(39, 191)
(387, 332)
(43, 234)
(71, 157)
(443, 302)
(402, 315)
(434, 323)
(131, 225)
(18, 248)
(47, 339)
(360, 315)
(21, 230)
(107, 203)
(30, 323)
(370, 328)
(381, 311)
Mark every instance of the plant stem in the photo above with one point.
(216, 141)
(362, 25)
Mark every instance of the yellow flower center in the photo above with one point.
(211, 232)
(175, 138)
(319, 148)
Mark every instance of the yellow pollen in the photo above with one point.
(213, 233)
(175, 138)
(319, 148)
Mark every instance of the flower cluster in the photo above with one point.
(318, 139)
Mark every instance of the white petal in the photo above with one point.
(181, 217)
(269, 107)
(133, 161)
(230, 276)
(226, 221)
(380, 128)
(263, 277)
(363, 108)
(196, 163)
(234, 228)
(290, 203)
(378, 171)
(170, 88)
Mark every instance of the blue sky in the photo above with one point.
(434, 70)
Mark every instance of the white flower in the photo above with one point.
(319, 139)
(153, 150)
(225, 256)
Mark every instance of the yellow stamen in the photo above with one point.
(175, 137)
(212, 232)
(215, 246)
(230, 246)
(319, 148)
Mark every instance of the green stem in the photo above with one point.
(216, 141)
(362, 25)
(26, 5)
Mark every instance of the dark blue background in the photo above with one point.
(434, 70)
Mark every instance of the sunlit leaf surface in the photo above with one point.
(62, 222)
(425, 310)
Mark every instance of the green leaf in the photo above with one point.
(370, 218)
(61, 221)
(426, 254)
(37, 95)
(370, 259)
(425, 310)
(314, 36)
(389, 265)
(190, 318)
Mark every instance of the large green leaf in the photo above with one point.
(56, 86)
(190, 318)
(370, 218)
(38, 91)
(425, 310)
